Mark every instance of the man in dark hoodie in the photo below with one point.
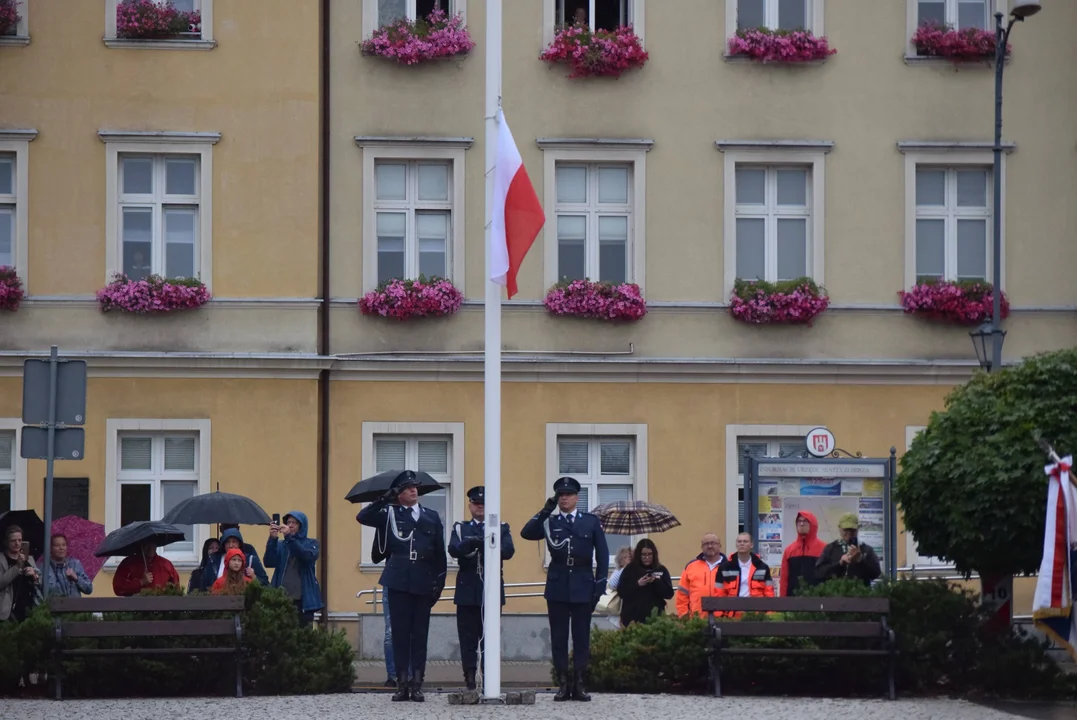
(293, 555)
(800, 557)
(214, 567)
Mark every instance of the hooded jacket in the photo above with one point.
(799, 558)
(305, 551)
(697, 582)
(212, 570)
(220, 585)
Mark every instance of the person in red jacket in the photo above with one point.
(144, 569)
(234, 580)
(798, 560)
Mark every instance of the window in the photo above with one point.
(14, 181)
(598, 196)
(758, 448)
(775, 15)
(9, 202)
(8, 452)
(952, 223)
(594, 220)
(200, 36)
(19, 34)
(379, 13)
(413, 216)
(960, 14)
(774, 207)
(413, 199)
(596, 14)
(152, 466)
(159, 211)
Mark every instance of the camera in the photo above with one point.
(276, 518)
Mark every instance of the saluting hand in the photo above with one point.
(551, 504)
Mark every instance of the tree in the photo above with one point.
(972, 487)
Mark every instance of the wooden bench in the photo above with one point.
(720, 629)
(186, 627)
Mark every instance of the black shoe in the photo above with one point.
(578, 691)
(469, 679)
(391, 682)
(564, 692)
(402, 690)
(417, 689)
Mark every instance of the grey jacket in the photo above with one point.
(60, 584)
(9, 572)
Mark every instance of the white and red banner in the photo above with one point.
(1053, 606)
(517, 213)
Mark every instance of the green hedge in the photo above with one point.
(280, 658)
(943, 649)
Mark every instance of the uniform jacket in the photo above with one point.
(466, 545)
(306, 550)
(213, 571)
(425, 574)
(697, 582)
(760, 584)
(830, 566)
(577, 582)
(798, 560)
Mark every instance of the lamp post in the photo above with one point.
(1021, 10)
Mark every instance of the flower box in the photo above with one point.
(957, 45)
(599, 300)
(409, 42)
(790, 302)
(967, 302)
(9, 17)
(404, 299)
(779, 46)
(598, 53)
(153, 294)
(156, 20)
(11, 293)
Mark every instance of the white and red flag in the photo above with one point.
(517, 213)
(1053, 605)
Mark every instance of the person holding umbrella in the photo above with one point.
(144, 569)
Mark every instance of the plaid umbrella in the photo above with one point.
(82, 537)
(634, 517)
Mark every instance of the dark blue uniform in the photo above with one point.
(466, 545)
(573, 588)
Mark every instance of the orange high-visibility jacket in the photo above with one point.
(697, 582)
(760, 584)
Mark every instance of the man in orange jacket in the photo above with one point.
(745, 574)
(699, 577)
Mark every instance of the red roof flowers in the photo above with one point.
(153, 294)
(9, 16)
(792, 301)
(600, 300)
(150, 20)
(598, 53)
(968, 302)
(409, 42)
(11, 292)
(782, 46)
(944, 41)
(404, 299)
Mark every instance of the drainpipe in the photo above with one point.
(323, 310)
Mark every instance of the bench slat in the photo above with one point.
(147, 628)
(753, 628)
(190, 603)
(805, 651)
(150, 651)
(798, 604)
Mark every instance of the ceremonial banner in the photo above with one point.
(1052, 608)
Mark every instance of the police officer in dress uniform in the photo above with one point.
(466, 545)
(573, 589)
(413, 578)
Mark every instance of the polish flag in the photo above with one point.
(517, 213)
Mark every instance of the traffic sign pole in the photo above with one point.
(49, 462)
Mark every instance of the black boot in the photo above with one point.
(401, 688)
(564, 691)
(578, 691)
(417, 688)
(469, 678)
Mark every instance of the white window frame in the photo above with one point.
(780, 153)
(636, 12)
(773, 451)
(17, 143)
(950, 214)
(591, 210)
(635, 433)
(22, 29)
(602, 152)
(451, 150)
(912, 555)
(950, 157)
(913, 13)
(204, 43)
(770, 212)
(119, 143)
(114, 428)
(370, 14)
(816, 15)
(735, 434)
(18, 463)
(411, 207)
(457, 481)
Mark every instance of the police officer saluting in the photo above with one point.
(466, 545)
(413, 578)
(573, 589)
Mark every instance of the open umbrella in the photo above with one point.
(375, 487)
(634, 517)
(217, 508)
(32, 526)
(128, 540)
(82, 537)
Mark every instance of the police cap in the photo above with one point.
(405, 480)
(566, 486)
(477, 495)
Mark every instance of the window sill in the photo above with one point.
(985, 62)
(745, 60)
(15, 40)
(123, 43)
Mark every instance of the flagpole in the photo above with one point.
(491, 672)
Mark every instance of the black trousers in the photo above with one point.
(469, 628)
(409, 618)
(562, 616)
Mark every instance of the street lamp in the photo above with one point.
(984, 341)
(1021, 9)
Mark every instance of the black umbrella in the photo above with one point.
(373, 488)
(33, 529)
(217, 508)
(129, 539)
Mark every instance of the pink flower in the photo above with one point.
(968, 302)
(783, 46)
(792, 302)
(604, 301)
(944, 41)
(9, 16)
(11, 293)
(410, 42)
(602, 53)
(404, 299)
(154, 19)
(153, 294)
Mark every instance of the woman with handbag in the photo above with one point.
(644, 586)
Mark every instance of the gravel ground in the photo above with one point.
(378, 707)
